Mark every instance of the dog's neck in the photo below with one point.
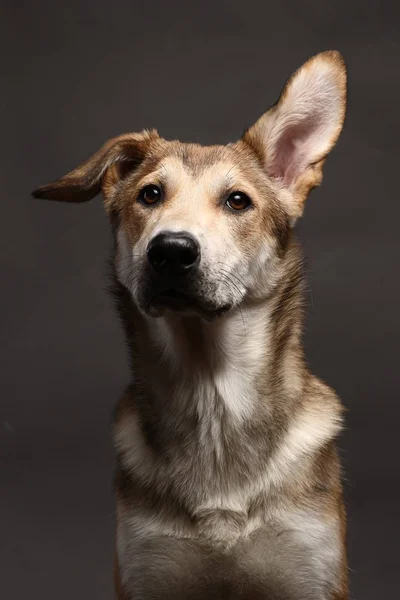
(215, 408)
(248, 360)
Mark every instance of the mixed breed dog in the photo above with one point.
(228, 482)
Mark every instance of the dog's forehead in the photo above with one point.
(198, 159)
(214, 166)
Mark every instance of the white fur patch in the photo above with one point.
(310, 430)
(241, 342)
(320, 536)
(244, 346)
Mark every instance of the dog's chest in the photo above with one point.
(297, 552)
(206, 455)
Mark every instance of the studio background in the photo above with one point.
(77, 73)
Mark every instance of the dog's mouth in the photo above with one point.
(176, 300)
(173, 299)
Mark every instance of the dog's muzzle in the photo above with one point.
(173, 277)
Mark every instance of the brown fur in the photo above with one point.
(117, 580)
(226, 486)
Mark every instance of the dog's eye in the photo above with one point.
(150, 194)
(238, 201)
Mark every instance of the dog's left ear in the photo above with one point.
(294, 137)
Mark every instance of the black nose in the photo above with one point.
(173, 253)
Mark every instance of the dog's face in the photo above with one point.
(204, 228)
(196, 227)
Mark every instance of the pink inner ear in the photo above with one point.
(294, 150)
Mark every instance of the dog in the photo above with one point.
(228, 481)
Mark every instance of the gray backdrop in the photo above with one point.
(76, 73)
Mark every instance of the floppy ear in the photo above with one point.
(119, 156)
(294, 137)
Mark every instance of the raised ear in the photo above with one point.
(122, 153)
(294, 137)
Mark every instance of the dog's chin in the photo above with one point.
(185, 305)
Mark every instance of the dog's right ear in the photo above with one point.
(118, 156)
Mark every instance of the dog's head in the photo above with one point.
(203, 228)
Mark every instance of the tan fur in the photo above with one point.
(228, 480)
